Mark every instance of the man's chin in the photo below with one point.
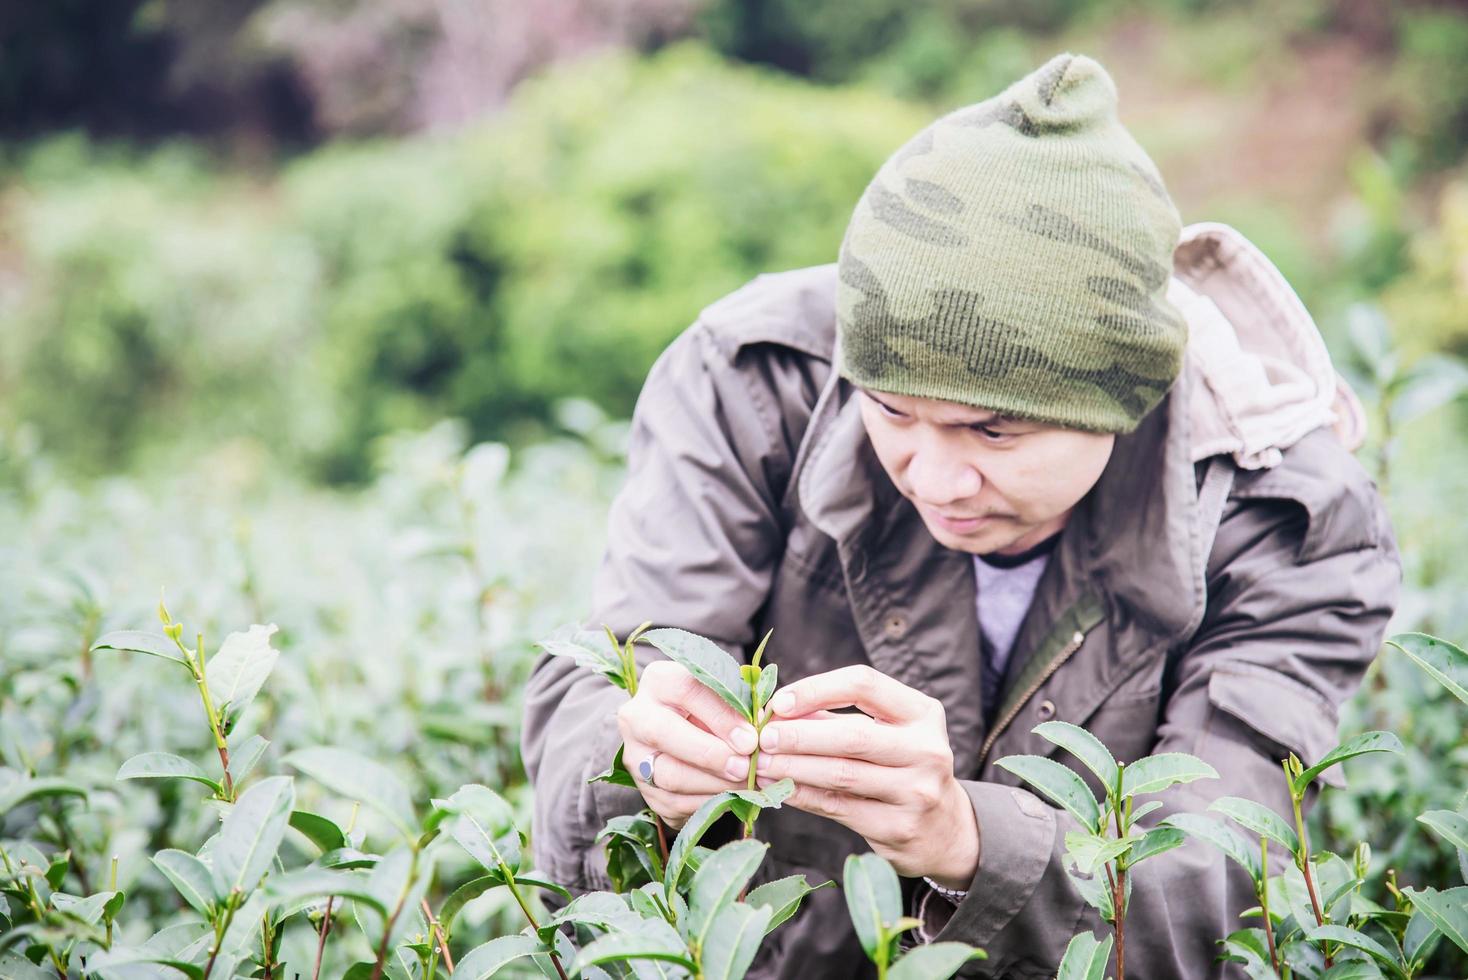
(992, 537)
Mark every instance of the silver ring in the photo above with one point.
(645, 767)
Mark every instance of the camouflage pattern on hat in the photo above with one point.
(1015, 256)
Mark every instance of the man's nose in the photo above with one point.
(940, 478)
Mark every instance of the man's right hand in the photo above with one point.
(704, 744)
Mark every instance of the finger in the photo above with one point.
(655, 726)
(858, 686)
(674, 687)
(843, 736)
(673, 808)
(853, 777)
(672, 775)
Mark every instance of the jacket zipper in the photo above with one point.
(1064, 654)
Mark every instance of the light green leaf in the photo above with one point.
(1421, 937)
(1258, 819)
(244, 757)
(605, 910)
(782, 897)
(1085, 958)
(317, 883)
(590, 649)
(494, 853)
(731, 941)
(485, 961)
(1084, 746)
(873, 897)
(390, 885)
(654, 940)
(13, 966)
(719, 881)
(1445, 662)
(324, 833)
(1447, 909)
(25, 790)
(1356, 940)
(693, 830)
(1236, 847)
(358, 778)
(236, 673)
(136, 641)
(1155, 773)
(1057, 782)
(165, 765)
(1091, 852)
(617, 773)
(1349, 749)
(707, 661)
(251, 833)
(1250, 948)
(933, 961)
(88, 909)
(1156, 841)
(190, 877)
(1362, 969)
(1450, 826)
(768, 680)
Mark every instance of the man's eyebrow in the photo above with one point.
(991, 418)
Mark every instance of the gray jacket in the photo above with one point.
(754, 502)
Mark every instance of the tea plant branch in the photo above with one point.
(530, 916)
(1264, 902)
(33, 899)
(387, 926)
(321, 937)
(442, 941)
(222, 927)
(195, 661)
(1293, 769)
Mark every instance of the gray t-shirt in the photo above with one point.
(1005, 587)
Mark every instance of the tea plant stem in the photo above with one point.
(195, 661)
(1303, 860)
(530, 916)
(221, 929)
(321, 937)
(662, 838)
(1264, 901)
(112, 884)
(443, 942)
(265, 943)
(33, 899)
(387, 926)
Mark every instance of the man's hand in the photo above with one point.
(704, 743)
(887, 774)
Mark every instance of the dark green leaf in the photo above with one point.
(1447, 909)
(1258, 819)
(718, 883)
(731, 940)
(1356, 940)
(1155, 841)
(933, 961)
(617, 773)
(165, 765)
(1421, 937)
(1349, 749)
(324, 833)
(1155, 773)
(873, 897)
(1059, 783)
(1085, 958)
(56, 870)
(765, 687)
(708, 662)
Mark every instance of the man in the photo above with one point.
(966, 480)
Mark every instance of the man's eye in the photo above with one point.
(988, 431)
(891, 412)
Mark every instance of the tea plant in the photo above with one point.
(874, 899)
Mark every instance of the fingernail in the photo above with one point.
(782, 703)
(769, 739)
(737, 767)
(743, 739)
(763, 765)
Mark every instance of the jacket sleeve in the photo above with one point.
(693, 538)
(1296, 614)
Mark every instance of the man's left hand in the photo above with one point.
(887, 774)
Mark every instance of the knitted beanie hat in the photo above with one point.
(1015, 256)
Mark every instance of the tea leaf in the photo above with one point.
(16, 967)
(616, 774)
(494, 853)
(136, 641)
(1155, 773)
(1349, 749)
(88, 909)
(873, 897)
(320, 831)
(1443, 661)
(590, 649)
(190, 877)
(653, 940)
(306, 883)
(251, 833)
(933, 961)
(1156, 841)
(1226, 839)
(123, 963)
(1356, 940)
(604, 910)
(782, 897)
(731, 941)
(1258, 819)
(1059, 783)
(25, 790)
(707, 661)
(236, 673)
(488, 959)
(1085, 958)
(765, 687)
(704, 817)
(1250, 948)
(1420, 938)
(1450, 826)
(718, 882)
(1084, 746)
(389, 884)
(1363, 969)
(357, 778)
(244, 757)
(165, 765)
(1447, 909)
(1090, 852)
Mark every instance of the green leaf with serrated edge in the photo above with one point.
(237, 671)
(933, 961)
(693, 830)
(769, 678)
(190, 877)
(707, 661)
(491, 852)
(1142, 809)
(319, 830)
(1356, 940)
(25, 790)
(488, 959)
(360, 779)
(244, 757)
(1084, 746)
(136, 641)
(1085, 958)
(1156, 841)
(617, 773)
(1234, 845)
(654, 940)
(1450, 826)
(1444, 662)
(1420, 937)
(719, 881)
(1250, 948)
(133, 963)
(86, 909)
(1362, 969)
(1448, 910)
(604, 910)
(308, 883)
(165, 765)
(1360, 745)
(873, 897)
(590, 649)
(1155, 773)
(1059, 783)
(731, 941)
(1258, 819)
(1091, 852)
(251, 833)
(782, 897)
(747, 802)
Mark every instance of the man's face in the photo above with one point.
(982, 483)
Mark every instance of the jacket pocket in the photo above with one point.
(1282, 710)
